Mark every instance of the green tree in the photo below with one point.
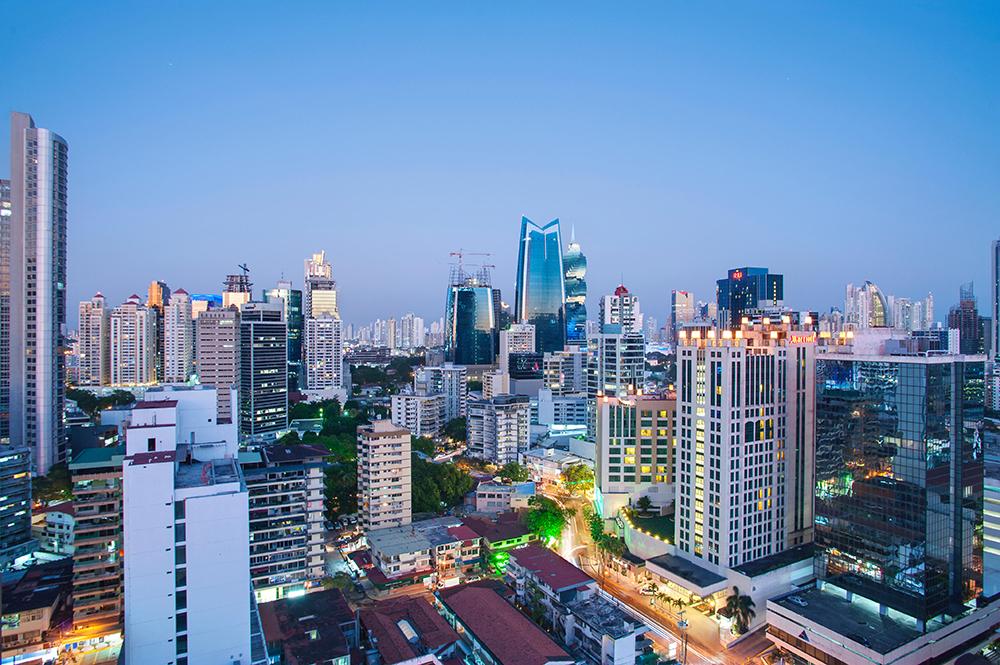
(644, 504)
(341, 489)
(290, 439)
(56, 486)
(740, 608)
(594, 524)
(513, 472)
(435, 484)
(612, 546)
(474, 385)
(92, 405)
(454, 429)
(578, 478)
(422, 444)
(546, 519)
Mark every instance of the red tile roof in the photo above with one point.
(383, 621)
(463, 532)
(507, 527)
(551, 569)
(505, 632)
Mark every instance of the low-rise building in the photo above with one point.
(494, 632)
(499, 497)
(317, 627)
(52, 527)
(498, 536)
(441, 549)
(285, 484)
(398, 630)
(37, 611)
(546, 465)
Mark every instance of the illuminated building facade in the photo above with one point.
(383, 476)
(745, 442)
(95, 340)
(15, 509)
(292, 300)
(178, 338)
(133, 344)
(263, 381)
(540, 296)
(621, 308)
(471, 334)
(747, 289)
(899, 478)
(575, 271)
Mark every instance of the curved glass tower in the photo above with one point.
(575, 267)
(541, 294)
(471, 331)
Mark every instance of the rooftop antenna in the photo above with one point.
(245, 269)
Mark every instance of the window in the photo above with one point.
(151, 444)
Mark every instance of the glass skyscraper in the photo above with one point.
(471, 332)
(575, 267)
(541, 294)
(745, 289)
(292, 299)
(899, 480)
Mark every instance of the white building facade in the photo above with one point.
(95, 342)
(133, 344)
(499, 429)
(178, 338)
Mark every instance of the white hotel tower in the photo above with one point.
(745, 442)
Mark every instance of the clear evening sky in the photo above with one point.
(832, 142)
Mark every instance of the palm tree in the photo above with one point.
(740, 609)
(644, 504)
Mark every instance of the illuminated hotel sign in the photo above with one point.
(802, 338)
(737, 275)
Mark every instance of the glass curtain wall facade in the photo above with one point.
(292, 299)
(575, 266)
(899, 480)
(745, 289)
(541, 294)
(471, 334)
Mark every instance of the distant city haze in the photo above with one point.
(831, 143)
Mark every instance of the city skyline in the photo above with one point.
(682, 128)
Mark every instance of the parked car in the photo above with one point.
(650, 589)
(798, 600)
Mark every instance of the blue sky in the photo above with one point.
(833, 142)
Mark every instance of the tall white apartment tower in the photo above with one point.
(449, 380)
(218, 353)
(324, 353)
(133, 343)
(320, 294)
(383, 475)
(95, 340)
(38, 192)
(178, 338)
(745, 442)
(621, 308)
(186, 530)
(519, 338)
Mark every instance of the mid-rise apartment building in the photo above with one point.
(218, 354)
(383, 475)
(133, 344)
(423, 415)
(95, 342)
(449, 380)
(499, 429)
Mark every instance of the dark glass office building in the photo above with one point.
(746, 289)
(471, 333)
(899, 479)
(263, 381)
(575, 267)
(541, 294)
(292, 299)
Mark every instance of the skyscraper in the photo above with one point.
(616, 367)
(383, 476)
(540, 297)
(5, 301)
(747, 289)
(471, 331)
(178, 338)
(621, 308)
(157, 299)
(575, 267)
(519, 338)
(218, 355)
(681, 311)
(292, 299)
(95, 342)
(133, 343)
(324, 353)
(320, 295)
(964, 317)
(15, 509)
(39, 165)
(745, 443)
(865, 306)
(263, 392)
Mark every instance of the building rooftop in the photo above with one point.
(155, 404)
(161, 457)
(507, 527)
(405, 628)
(776, 561)
(205, 474)
(417, 536)
(859, 621)
(289, 624)
(277, 454)
(605, 617)
(38, 586)
(551, 569)
(687, 570)
(98, 457)
(509, 636)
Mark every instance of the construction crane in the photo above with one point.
(461, 254)
(245, 269)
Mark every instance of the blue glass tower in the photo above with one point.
(471, 332)
(541, 294)
(575, 267)
(745, 289)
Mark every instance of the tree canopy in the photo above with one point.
(546, 519)
(454, 429)
(513, 472)
(435, 484)
(91, 404)
(578, 478)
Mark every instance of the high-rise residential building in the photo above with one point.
(188, 592)
(540, 296)
(575, 279)
(865, 306)
(263, 382)
(320, 294)
(383, 476)
(157, 298)
(411, 332)
(449, 380)
(285, 484)
(471, 326)
(237, 290)
(38, 194)
(15, 508)
(178, 338)
(747, 289)
(292, 303)
(652, 329)
(616, 367)
(681, 311)
(5, 302)
(423, 415)
(745, 443)
(499, 428)
(97, 557)
(899, 468)
(218, 353)
(392, 334)
(133, 343)
(621, 308)
(518, 338)
(565, 372)
(95, 342)
(324, 353)
(964, 317)
(635, 451)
